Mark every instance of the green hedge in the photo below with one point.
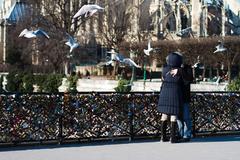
(23, 82)
(15, 81)
(234, 85)
(52, 82)
(73, 83)
(123, 86)
(28, 81)
(1, 85)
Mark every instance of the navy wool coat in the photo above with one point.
(171, 96)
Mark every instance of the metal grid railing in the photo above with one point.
(90, 116)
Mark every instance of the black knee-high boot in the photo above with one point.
(163, 131)
(173, 138)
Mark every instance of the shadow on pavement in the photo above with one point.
(216, 139)
(117, 142)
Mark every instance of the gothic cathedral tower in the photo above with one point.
(196, 16)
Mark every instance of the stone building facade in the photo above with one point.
(10, 12)
(157, 19)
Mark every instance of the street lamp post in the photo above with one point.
(144, 73)
(133, 77)
(69, 66)
(229, 66)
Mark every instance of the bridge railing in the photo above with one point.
(215, 112)
(106, 115)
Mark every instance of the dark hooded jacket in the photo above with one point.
(187, 80)
(170, 98)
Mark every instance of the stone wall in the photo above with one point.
(139, 86)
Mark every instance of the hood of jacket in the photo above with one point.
(174, 59)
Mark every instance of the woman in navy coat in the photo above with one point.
(170, 98)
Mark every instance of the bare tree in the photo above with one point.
(55, 17)
(115, 22)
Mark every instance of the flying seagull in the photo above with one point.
(149, 49)
(117, 57)
(72, 43)
(88, 10)
(130, 62)
(33, 34)
(220, 48)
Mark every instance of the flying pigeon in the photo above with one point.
(33, 34)
(72, 43)
(88, 10)
(184, 32)
(149, 49)
(220, 48)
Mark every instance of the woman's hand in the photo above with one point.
(174, 72)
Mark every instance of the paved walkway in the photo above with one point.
(214, 148)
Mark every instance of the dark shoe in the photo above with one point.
(183, 140)
(163, 131)
(173, 138)
(164, 139)
(186, 139)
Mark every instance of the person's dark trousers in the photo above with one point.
(173, 138)
(164, 131)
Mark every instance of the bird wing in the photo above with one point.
(70, 39)
(219, 50)
(195, 65)
(115, 57)
(68, 43)
(81, 11)
(91, 9)
(112, 52)
(95, 6)
(149, 44)
(71, 48)
(86, 9)
(179, 34)
(222, 49)
(130, 62)
(119, 57)
(23, 32)
(109, 62)
(146, 52)
(40, 32)
(216, 51)
(92, 12)
(184, 32)
(76, 44)
(149, 49)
